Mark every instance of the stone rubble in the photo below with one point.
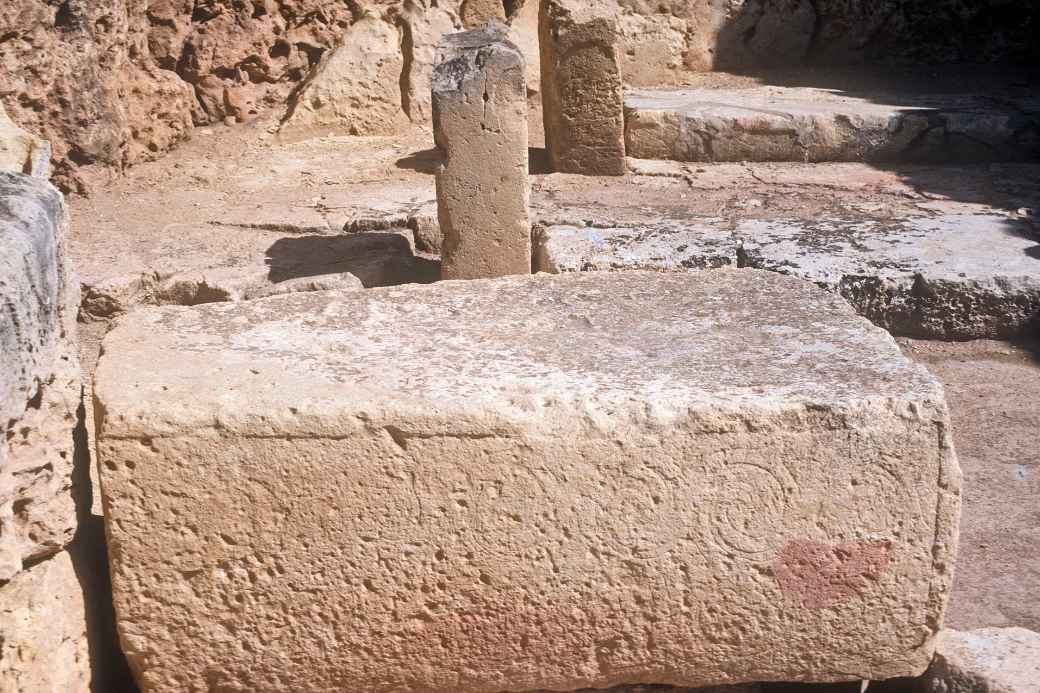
(395, 488)
(22, 152)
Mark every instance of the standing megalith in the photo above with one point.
(582, 93)
(480, 126)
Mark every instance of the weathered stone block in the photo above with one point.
(994, 660)
(22, 152)
(424, 29)
(356, 88)
(541, 482)
(582, 92)
(480, 126)
(43, 630)
(39, 374)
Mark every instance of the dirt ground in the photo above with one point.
(232, 195)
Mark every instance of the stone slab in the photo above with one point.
(39, 374)
(993, 660)
(942, 276)
(948, 276)
(480, 126)
(657, 246)
(540, 482)
(771, 123)
(43, 648)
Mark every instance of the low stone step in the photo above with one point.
(527, 483)
(941, 276)
(770, 123)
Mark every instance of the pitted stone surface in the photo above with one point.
(582, 91)
(992, 660)
(39, 374)
(526, 483)
(805, 124)
(480, 127)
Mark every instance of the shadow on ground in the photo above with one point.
(377, 259)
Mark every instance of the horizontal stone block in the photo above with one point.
(541, 482)
(771, 123)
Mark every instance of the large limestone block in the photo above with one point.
(480, 127)
(39, 374)
(21, 151)
(356, 88)
(989, 660)
(43, 631)
(540, 482)
(582, 92)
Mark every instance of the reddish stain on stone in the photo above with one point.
(818, 575)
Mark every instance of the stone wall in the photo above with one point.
(42, 486)
(115, 82)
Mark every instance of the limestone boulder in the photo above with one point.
(540, 482)
(993, 660)
(356, 88)
(44, 647)
(39, 374)
(21, 151)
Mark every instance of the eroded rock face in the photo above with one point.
(39, 374)
(541, 482)
(44, 646)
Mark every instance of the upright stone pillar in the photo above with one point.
(480, 126)
(582, 92)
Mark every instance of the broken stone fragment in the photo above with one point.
(44, 647)
(582, 92)
(993, 660)
(355, 89)
(383, 488)
(480, 126)
(22, 152)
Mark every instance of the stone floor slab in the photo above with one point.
(535, 482)
(942, 275)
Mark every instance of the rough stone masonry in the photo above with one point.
(480, 127)
(582, 91)
(537, 482)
